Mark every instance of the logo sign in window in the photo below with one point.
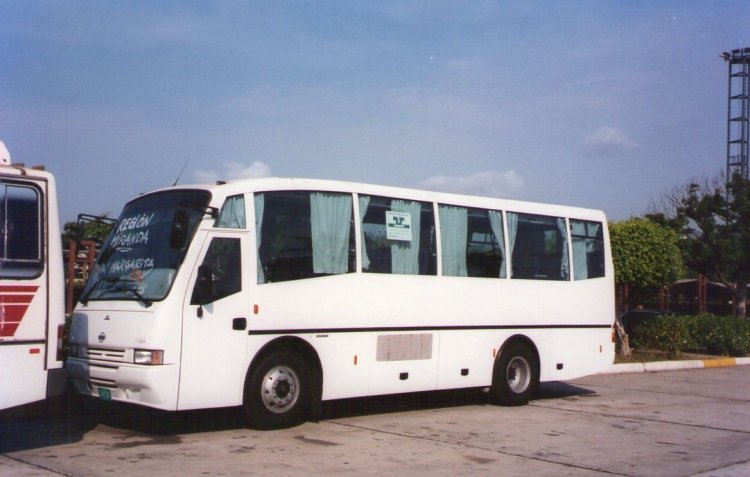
(398, 225)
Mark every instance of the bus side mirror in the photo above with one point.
(203, 293)
(178, 234)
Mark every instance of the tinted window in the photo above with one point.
(538, 246)
(21, 232)
(232, 213)
(472, 242)
(304, 235)
(224, 261)
(399, 236)
(588, 249)
(141, 256)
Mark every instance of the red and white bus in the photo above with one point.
(32, 314)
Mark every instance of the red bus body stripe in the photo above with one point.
(8, 328)
(14, 302)
(16, 298)
(18, 288)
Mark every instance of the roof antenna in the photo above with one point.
(181, 171)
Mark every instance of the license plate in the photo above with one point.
(105, 394)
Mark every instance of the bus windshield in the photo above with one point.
(147, 246)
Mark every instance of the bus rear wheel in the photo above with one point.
(516, 375)
(277, 391)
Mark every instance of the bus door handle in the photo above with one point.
(239, 324)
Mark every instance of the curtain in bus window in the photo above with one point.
(330, 216)
(232, 214)
(453, 233)
(580, 259)
(259, 206)
(364, 202)
(512, 232)
(587, 250)
(405, 253)
(496, 222)
(564, 266)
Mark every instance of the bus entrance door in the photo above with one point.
(214, 338)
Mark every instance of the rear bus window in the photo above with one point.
(588, 249)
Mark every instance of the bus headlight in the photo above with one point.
(148, 356)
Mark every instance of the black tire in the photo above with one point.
(278, 391)
(515, 378)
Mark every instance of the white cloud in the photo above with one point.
(488, 183)
(606, 140)
(233, 171)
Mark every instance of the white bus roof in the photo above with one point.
(222, 190)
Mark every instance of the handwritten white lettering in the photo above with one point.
(128, 264)
(130, 239)
(137, 222)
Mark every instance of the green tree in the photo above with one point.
(645, 253)
(715, 223)
(94, 228)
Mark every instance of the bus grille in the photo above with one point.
(103, 383)
(106, 354)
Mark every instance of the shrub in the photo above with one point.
(664, 332)
(674, 334)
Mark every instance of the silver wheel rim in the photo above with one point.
(518, 374)
(280, 389)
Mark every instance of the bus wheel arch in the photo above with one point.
(515, 375)
(283, 385)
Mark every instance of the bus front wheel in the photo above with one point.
(516, 375)
(277, 392)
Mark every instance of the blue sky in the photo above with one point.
(591, 103)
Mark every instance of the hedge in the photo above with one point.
(710, 334)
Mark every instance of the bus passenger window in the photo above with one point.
(472, 242)
(232, 213)
(398, 236)
(588, 249)
(303, 235)
(225, 263)
(538, 245)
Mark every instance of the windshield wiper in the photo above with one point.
(132, 287)
(106, 278)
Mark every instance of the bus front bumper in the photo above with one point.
(152, 386)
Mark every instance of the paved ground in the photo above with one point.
(676, 423)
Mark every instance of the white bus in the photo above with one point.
(275, 294)
(32, 314)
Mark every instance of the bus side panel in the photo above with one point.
(55, 284)
(467, 358)
(578, 353)
(464, 323)
(346, 363)
(24, 341)
(22, 375)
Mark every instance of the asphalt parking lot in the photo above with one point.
(676, 423)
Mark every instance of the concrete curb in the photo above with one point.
(655, 366)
